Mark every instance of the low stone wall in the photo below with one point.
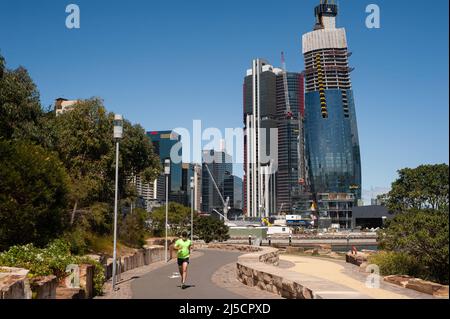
(14, 283)
(44, 287)
(258, 269)
(420, 285)
(140, 258)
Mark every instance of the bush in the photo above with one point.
(394, 263)
(424, 236)
(52, 260)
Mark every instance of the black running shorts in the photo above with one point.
(181, 261)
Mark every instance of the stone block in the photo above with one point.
(44, 287)
(87, 280)
(69, 293)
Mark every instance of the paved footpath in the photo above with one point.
(338, 279)
(211, 275)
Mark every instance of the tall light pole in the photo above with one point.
(192, 209)
(118, 134)
(167, 173)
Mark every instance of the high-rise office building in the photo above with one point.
(331, 134)
(260, 139)
(290, 176)
(163, 142)
(220, 166)
(270, 182)
(192, 172)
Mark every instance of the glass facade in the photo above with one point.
(332, 144)
(163, 144)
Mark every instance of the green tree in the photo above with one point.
(33, 190)
(178, 218)
(423, 187)
(83, 138)
(423, 235)
(132, 228)
(20, 107)
(210, 229)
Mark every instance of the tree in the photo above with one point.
(84, 141)
(423, 187)
(210, 229)
(178, 217)
(20, 107)
(132, 228)
(33, 190)
(424, 236)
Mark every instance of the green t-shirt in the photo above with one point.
(183, 248)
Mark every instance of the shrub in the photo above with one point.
(52, 260)
(423, 235)
(396, 263)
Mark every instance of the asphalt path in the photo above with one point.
(165, 283)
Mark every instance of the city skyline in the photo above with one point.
(395, 131)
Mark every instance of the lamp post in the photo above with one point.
(192, 209)
(167, 173)
(118, 134)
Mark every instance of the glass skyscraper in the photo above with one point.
(331, 135)
(163, 141)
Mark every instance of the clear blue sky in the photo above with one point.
(165, 63)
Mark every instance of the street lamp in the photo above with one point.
(192, 209)
(167, 173)
(118, 134)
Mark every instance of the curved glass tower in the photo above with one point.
(331, 134)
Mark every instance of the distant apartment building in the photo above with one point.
(63, 105)
(147, 191)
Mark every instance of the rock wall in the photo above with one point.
(258, 269)
(420, 285)
(140, 258)
(14, 283)
(44, 287)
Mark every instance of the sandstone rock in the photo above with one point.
(44, 287)
(14, 283)
(398, 280)
(69, 293)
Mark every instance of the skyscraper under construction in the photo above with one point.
(331, 135)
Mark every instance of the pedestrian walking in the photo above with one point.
(183, 247)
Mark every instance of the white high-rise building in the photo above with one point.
(260, 139)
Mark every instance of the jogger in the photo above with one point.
(183, 245)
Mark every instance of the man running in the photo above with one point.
(183, 245)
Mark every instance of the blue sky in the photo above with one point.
(165, 63)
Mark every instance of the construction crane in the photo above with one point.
(288, 116)
(224, 202)
(286, 88)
